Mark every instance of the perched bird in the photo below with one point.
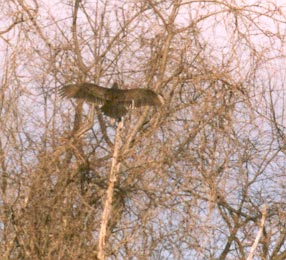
(114, 102)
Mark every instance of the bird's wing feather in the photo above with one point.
(138, 97)
(87, 91)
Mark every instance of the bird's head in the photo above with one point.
(115, 85)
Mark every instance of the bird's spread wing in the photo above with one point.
(126, 97)
(86, 91)
(138, 97)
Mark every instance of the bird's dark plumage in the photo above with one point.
(114, 101)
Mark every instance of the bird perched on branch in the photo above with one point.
(114, 102)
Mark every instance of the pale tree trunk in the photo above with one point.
(259, 234)
(109, 195)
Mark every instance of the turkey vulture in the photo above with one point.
(114, 101)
